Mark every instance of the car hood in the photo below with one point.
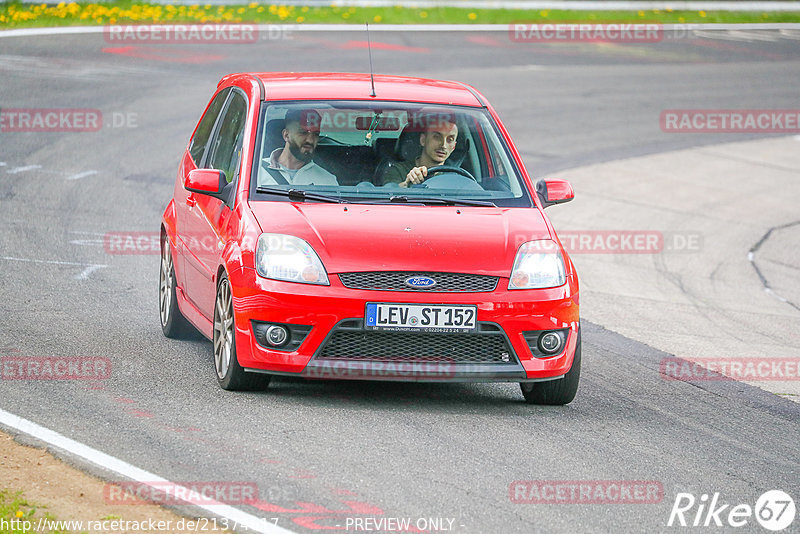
(351, 238)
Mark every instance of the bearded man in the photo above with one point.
(293, 163)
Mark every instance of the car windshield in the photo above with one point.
(363, 151)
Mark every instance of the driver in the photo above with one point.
(438, 141)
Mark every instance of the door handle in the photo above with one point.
(191, 201)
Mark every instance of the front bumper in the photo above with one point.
(338, 347)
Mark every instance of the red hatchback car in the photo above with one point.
(332, 226)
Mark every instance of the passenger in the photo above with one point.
(438, 141)
(293, 163)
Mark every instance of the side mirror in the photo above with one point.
(554, 192)
(206, 181)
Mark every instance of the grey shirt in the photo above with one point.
(308, 174)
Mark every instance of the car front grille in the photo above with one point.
(396, 281)
(488, 346)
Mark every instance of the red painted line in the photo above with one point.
(341, 491)
(303, 473)
(353, 508)
(141, 413)
(384, 46)
(487, 40)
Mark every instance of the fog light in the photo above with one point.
(550, 342)
(276, 335)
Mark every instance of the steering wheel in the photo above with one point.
(451, 168)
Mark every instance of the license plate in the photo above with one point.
(420, 317)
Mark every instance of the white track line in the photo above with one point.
(378, 28)
(115, 465)
(17, 170)
(80, 175)
(83, 275)
(52, 262)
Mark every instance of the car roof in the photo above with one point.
(356, 86)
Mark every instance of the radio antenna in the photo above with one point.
(371, 76)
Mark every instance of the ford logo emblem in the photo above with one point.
(420, 281)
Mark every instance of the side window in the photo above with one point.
(226, 151)
(198, 145)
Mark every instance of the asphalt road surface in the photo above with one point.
(324, 454)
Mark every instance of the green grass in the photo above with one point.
(16, 511)
(17, 15)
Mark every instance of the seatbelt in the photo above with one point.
(276, 174)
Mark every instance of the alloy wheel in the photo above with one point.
(223, 329)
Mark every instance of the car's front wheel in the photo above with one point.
(230, 375)
(556, 392)
(173, 323)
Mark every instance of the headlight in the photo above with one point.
(285, 257)
(538, 265)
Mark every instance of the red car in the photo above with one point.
(332, 226)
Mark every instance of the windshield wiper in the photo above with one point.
(298, 195)
(444, 201)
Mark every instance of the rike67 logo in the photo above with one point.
(774, 510)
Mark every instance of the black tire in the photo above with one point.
(230, 375)
(173, 323)
(556, 392)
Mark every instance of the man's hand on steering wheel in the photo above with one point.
(417, 175)
(452, 168)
